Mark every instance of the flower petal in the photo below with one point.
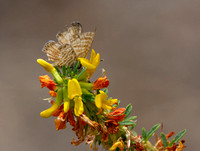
(98, 101)
(96, 60)
(87, 64)
(78, 107)
(74, 89)
(48, 112)
(92, 56)
(103, 95)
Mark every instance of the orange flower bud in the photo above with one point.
(100, 83)
(47, 82)
(53, 93)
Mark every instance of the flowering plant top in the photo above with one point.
(86, 106)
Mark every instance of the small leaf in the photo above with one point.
(153, 130)
(128, 110)
(105, 91)
(128, 123)
(144, 133)
(130, 118)
(64, 70)
(164, 140)
(69, 70)
(177, 137)
(133, 126)
(75, 67)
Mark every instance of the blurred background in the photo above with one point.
(151, 53)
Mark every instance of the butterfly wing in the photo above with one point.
(82, 44)
(70, 35)
(52, 51)
(67, 56)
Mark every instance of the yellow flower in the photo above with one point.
(91, 64)
(74, 92)
(48, 112)
(49, 68)
(119, 144)
(102, 102)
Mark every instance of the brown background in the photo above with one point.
(151, 52)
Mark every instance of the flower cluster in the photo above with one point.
(94, 116)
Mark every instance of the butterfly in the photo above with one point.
(72, 44)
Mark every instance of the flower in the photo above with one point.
(100, 83)
(91, 64)
(119, 144)
(74, 92)
(101, 102)
(48, 112)
(117, 115)
(49, 68)
(47, 82)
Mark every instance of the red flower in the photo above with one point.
(47, 82)
(100, 83)
(117, 115)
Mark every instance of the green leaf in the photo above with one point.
(105, 91)
(144, 133)
(153, 130)
(69, 70)
(177, 137)
(164, 140)
(75, 67)
(64, 70)
(130, 118)
(128, 123)
(132, 127)
(128, 110)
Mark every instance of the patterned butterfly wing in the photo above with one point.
(71, 34)
(52, 51)
(67, 56)
(82, 44)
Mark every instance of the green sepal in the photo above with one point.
(82, 75)
(57, 76)
(65, 94)
(152, 131)
(86, 85)
(177, 137)
(58, 70)
(164, 140)
(59, 97)
(86, 92)
(128, 110)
